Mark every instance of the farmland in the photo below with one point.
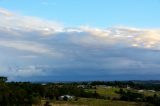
(95, 93)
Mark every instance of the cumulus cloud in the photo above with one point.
(43, 48)
(5, 12)
(16, 22)
(27, 46)
(29, 71)
(127, 37)
(28, 56)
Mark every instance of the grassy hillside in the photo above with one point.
(95, 102)
(107, 91)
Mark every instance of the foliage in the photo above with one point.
(27, 93)
(133, 96)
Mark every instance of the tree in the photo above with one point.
(3, 79)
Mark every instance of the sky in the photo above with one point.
(71, 40)
(97, 13)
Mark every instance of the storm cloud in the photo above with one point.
(36, 49)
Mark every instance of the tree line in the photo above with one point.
(129, 95)
(27, 93)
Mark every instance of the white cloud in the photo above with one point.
(29, 71)
(81, 51)
(28, 46)
(13, 22)
(125, 37)
(122, 36)
(5, 12)
(28, 56)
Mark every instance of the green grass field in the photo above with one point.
(95, 102)
(149, 93)
(107, 91)
(111, 91)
